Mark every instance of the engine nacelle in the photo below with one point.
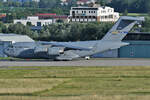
(55, 51)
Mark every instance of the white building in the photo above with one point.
(89, 14)
(34, 20)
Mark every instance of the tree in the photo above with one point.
(75, 32)
(62, 31)
(146, 25)
(9, 18)
(58, 11)
(102, 2)
(34, 4)
(20, 29)
(26, 4)
(47, 3)
(148, 6)
(3, 28)
(125, 13)
(1, 4)
(134, 6)
(29, 23)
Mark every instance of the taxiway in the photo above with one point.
(92, 62)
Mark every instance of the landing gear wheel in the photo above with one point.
(87, 57)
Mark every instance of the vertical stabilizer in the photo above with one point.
(121, 28)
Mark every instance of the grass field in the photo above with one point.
(74, 83)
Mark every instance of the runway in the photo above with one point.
(81, 62)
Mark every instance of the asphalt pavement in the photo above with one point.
(80, 62)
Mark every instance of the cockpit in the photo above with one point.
(16, 49)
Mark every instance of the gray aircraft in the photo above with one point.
(73, 50)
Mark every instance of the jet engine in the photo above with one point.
(55, 50)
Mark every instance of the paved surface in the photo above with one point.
(93, 62)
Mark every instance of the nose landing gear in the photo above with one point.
(87, 57)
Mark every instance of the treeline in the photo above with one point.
(41, 4)
(33, 4)
(132, 6)
(61, 31)
(75, 31)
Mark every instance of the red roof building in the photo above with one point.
(45, 15)
(51, 15)
(2, 15)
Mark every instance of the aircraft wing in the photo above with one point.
(66, 46)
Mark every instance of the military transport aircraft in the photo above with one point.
(72, 50)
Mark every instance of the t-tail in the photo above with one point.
(112, 39)
(121, 28)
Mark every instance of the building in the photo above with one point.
(136, 49)
(7, 39)
(92, 14)
(34, 20)
(107, 54)
(56, 18)
(15, 38)
(45, 15)
(139, 47)
(2, 17)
